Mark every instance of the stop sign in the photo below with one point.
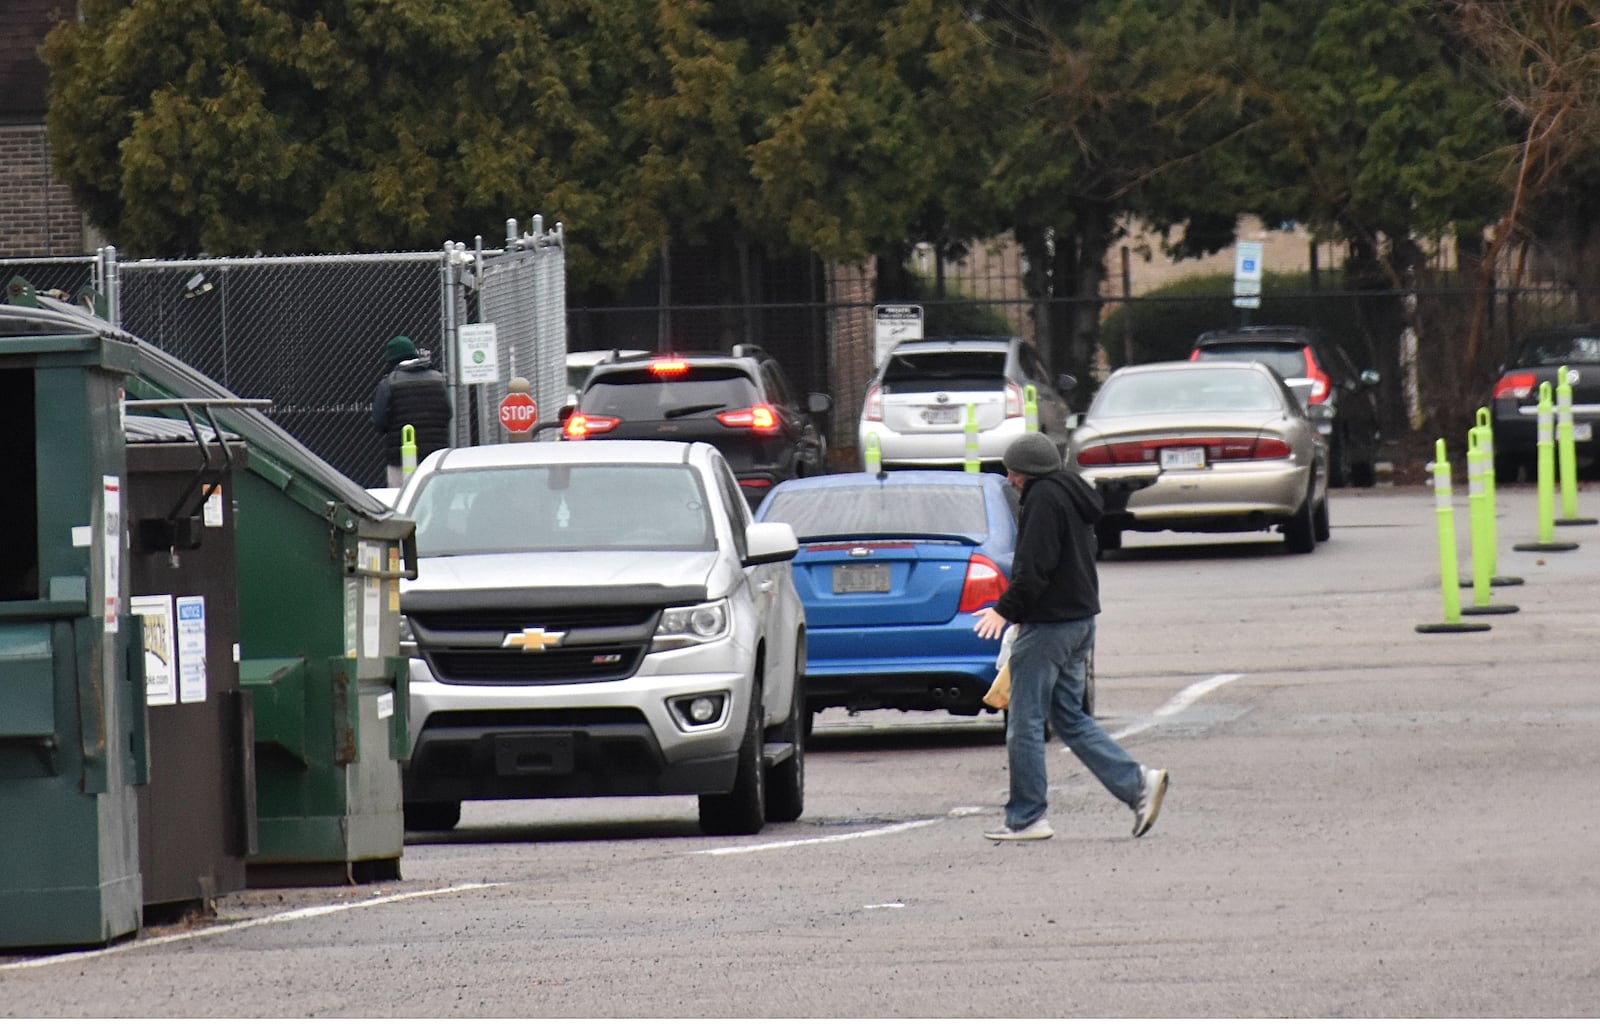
(518, 413)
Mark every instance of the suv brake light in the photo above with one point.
(580, 425)
(984, 584)
(1518, 385)
(1013, 400)
(1321, 385)
(668, 367)
(872, 411)
(760, 418)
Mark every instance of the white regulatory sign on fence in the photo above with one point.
(891, 324)
(478, 353)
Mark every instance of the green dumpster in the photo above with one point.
(319, 564)
(72, 720)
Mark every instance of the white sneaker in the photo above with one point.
(1039, 829)
(1152, 788)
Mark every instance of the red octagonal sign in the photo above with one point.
(518, 413)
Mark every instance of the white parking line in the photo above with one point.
(1181, 700)
(243, 924)
(1177, 703)
(773, 845)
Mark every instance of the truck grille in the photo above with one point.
(467, 646)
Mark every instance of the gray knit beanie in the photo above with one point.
(1032, 454)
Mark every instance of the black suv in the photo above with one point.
(1343, 405)
(1538, 358)
(741, 403)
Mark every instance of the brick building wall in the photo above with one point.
(37, 215)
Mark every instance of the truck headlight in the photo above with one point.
(690, 625)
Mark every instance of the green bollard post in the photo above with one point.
(1030, 407)
(1566, 454)
(1546, 459)
(1449, 582)
(1481, 520)
(874, 464)
(408, 452)
(972, 464)
(1484, 432)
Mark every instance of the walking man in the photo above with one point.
(412, 393)
(1053, 598)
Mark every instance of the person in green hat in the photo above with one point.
(412, 393)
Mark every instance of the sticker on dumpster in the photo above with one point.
(160, 649)
(212, 512)
(370, 556)
(111, 491)
(191, 649)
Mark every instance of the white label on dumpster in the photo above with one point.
(386, 704)
(160, 649)
(352, 616)
(212, 512)
(191, 649)
(371, 558)
(111, 540)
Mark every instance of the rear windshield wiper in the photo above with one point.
(692, 409)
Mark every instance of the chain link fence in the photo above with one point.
(308, 332)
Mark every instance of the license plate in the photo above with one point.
(1582, 432)
(941, 416)
(861, 579)
(1183, 457)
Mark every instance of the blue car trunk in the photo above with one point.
(879, 582)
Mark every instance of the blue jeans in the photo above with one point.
(1049, 661)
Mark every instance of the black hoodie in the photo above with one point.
(1053, 576)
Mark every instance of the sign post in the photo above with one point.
(518, 412)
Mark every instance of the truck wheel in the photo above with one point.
(744, 809)
(431, 816)
(786, 783)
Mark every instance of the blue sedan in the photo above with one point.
(891, 569)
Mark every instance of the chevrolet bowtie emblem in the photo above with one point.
(533, 639)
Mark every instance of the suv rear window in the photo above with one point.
(1288, 359)
(877, 510)
(639, 394)
(1557, 350)
(945, 370)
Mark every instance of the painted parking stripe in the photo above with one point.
(1177, 703)
(243, 924)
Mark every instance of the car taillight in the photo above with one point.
(1218, 448)
(580, 425)
(760, 418)
(872, 410)
(668, 367)
(984, 584)
(1518, 385)
(1321, 385)
(1013, 400)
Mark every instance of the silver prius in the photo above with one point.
(1224, 446)
(598, 620)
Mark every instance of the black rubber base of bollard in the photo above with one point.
(1452, 627)
(1490, 609)
(1497, 581)
(1577, 520)
(1556, 545)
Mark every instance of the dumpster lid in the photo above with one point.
(160, 429)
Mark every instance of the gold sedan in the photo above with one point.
(1224, 446)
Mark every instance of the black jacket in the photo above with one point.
(1053, 577)
(416, 395)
